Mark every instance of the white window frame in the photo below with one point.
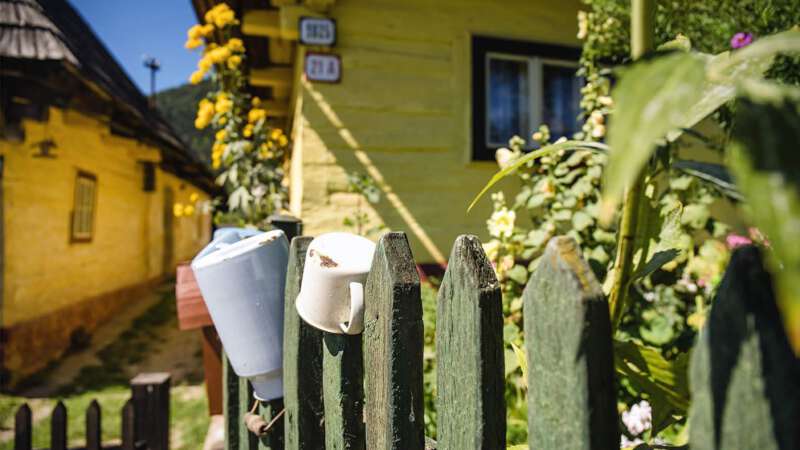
(535, 88)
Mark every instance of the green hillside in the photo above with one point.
(178, 106)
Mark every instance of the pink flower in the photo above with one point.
(735, 240)
(741, 39)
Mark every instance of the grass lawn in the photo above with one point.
(108, 383)
(188, 416)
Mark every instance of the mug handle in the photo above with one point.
(356, 323)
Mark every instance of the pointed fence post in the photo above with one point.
(302, 364)
(128, 426)
(470, 406)
(571, 392)
(150, 396)
(745, 379)
(247, 440)
(58, 427)
(237, 400)
(343, 391)
(23, 431)
(290, 225)
(94, 427)
(393, 342)
(274, 439)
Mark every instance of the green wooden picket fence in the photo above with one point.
(365, 391)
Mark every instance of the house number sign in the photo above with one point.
(323, 67)
(317, 31)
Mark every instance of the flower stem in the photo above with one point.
(642, 41)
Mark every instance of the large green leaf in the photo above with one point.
(665, 381)
(681, 94)
(532, 156)
(652, 98)
(765, 159)
(716, 174)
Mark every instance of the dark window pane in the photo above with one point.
(561, 90)
(509, 100)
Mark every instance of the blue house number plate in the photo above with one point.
(323, 67)
(317, 31)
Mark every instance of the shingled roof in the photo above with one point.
(48, 31)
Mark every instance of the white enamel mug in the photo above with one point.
(331, 297)
(243, 287)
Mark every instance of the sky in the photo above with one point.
(132, 29)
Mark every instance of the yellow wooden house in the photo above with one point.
(428, 90)
(90, 177)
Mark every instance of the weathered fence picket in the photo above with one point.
(471, 412)
(128, 426)
(23, 429)
(745, 379)
(571, 393)
(393, 344)
(58, 427)
(94, 437)
(302, 364)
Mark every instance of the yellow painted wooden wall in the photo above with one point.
(402, 113)
(46, 273)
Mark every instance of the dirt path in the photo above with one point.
(144, 337)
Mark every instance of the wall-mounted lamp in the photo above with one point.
(44, 148)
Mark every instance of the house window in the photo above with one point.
(518, 86)
(84, 206)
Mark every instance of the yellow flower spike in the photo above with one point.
(195, 32)
(276, 133)
(209, 15)
(193, 198)
(255, 101)
(204, 64)
(235, 45)
(248, 130)
(256, 114)
(193, 43)
(197, 76)
(223, 106)
(216, 163)
(221, 135)
(206, 104)
(177, 209)
(207, 30)
(234, 61)
(282, 141)
(222, 120)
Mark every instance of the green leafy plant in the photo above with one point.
(366, 188)
(667, 247)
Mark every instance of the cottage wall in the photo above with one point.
(52, 286)
(402, 113)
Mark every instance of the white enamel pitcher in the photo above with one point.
(243, 287)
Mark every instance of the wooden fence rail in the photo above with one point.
(365, 392)
(145, 420)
